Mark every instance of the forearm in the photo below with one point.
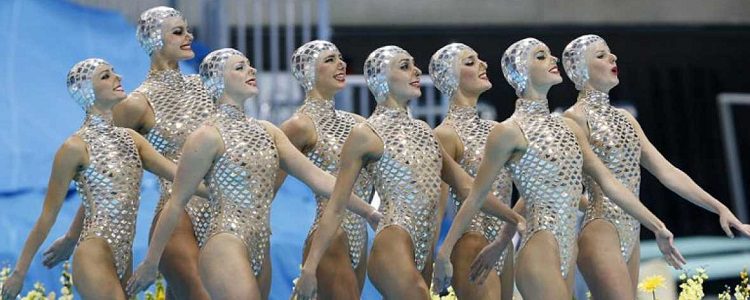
(468, 209)
(683, 185)
(358, 206)
(628, 202)
(329, 223)
(494, 207)
(76, 226)
(36, 237)
(164, 227)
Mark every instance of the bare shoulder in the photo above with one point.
(445, 132)
(365, 140)
(73, 151)
(576, 114)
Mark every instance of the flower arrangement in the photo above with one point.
(691, 286)
(741, 291)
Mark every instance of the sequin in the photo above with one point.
(616, 143)
(444, 67)
(407, 177)
(332, 127)
(574, 60)
(180, 104)
(241, 182)
(473, 132)
(212, 70)
(149, 32)
(304, 62)
(110, 187)
(376, 70)
(79, 82)
(548, 176)
(515, 63)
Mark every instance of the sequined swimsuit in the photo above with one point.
(180, 104)
(548, 176)
(332, 127)
(473, 132)
(615, 142)
(241, 182)
(110, 187)
(407, 177)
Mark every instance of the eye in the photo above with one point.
(404, 66)
(239, 67)
(178, 31)
(541, 56)
(329, 59)
(105, 76)
(470, 63)
(600, 55)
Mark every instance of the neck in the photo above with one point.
(395, 103)
(231, 100)
(462, 99)
(160, 63)
(100, 110)
(536, 93)
(589, 86)
(318, 94)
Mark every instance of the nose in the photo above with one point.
(614, 58)
(555, 60)
(417, 71)
(342, 64)
(252, 71)
(190, 36)
(118, 77)
(483, 64)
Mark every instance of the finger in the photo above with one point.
(48, 251)
(725, 227)
(485, 272)
(744, 229)
(679, 256)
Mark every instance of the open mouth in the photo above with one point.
(340, 77)
(614, 70)
(119, 88)
(251, 82)
(186, 47)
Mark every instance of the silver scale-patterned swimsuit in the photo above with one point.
(180, 104)
(407, 177)
(110, 187)
(473, 132)
(241, 182)
(616, 143)
(332, 127)
(548, 176)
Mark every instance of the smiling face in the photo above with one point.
(602, 67)
(330, 72)
(107, 86)
(472, 73)
(403, 77)
(542, 66)
(239, 77)
(177, 39)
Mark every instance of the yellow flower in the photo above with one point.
(651, 283)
